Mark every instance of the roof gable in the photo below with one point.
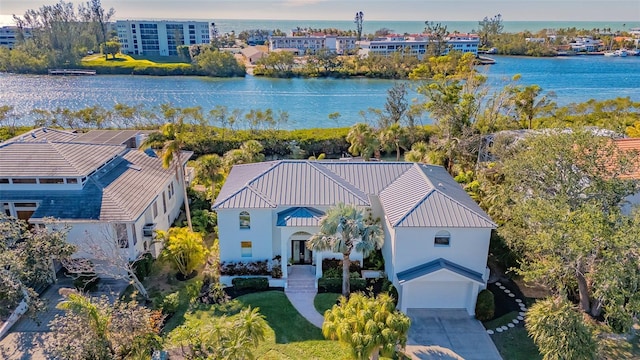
(412, 195)
(299, 216)
(438, 265)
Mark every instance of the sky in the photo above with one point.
(434, 10)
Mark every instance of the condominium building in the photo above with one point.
(142, 37)
(312, 43)
(417, 45)
(9, 36)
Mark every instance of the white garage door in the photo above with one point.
(436, 295)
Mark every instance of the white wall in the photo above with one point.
(469, 247)
(260, 234)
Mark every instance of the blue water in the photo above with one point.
(401, 27)
(310, 101)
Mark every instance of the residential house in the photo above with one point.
(99, 184)
(436, 236)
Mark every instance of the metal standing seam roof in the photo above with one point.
(44, 134)
(35, 159)
(111, 137)
(412, 195)
(437, 265)
(299, 216)
(437, 201)
(121, 191)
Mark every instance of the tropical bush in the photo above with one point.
(485, 306)
(232, 268)
(185, 249)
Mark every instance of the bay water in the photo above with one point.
(310, 101)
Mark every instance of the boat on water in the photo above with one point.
(617, 53)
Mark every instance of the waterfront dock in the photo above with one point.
(71, 72)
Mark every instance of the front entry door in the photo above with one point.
(299, 252)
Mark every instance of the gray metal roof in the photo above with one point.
(299, 216)
(111, 137)
(121, 191)
(44, 134)
(435, 200)
(412, 195)
(34, 159)
(436, 265)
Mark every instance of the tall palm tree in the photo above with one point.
(174, 134)
(343, 229)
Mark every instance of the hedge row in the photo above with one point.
(252, 283)
(334, 285)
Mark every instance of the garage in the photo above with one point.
(439, 284)
(436, 294)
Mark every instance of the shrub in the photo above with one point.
(170, 303)
(337, 264)
(86, 282)
(260, 267)
(252, 283)
(334, 285)
(485, 306)
(142, 266)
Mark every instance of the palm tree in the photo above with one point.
(363, 140)
(369, 326)
(393, 138)
(342, 230)
(174, 138)
(209, 171)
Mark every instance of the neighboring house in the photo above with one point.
(436, 236)
(98, 183)
(161, 38)
(252, 54)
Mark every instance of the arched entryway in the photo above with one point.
(299, 254)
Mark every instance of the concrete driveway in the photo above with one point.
(448, 335)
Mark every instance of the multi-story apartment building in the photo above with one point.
(312, 43)
(143, 37)
(9, 36)
(417, 45)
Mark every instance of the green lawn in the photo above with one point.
(125, 63)
(514, 343)
(290, 335)
(325, 301)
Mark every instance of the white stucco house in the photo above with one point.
(436, 236)
(97, 183)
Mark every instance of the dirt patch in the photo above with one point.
(532, 290)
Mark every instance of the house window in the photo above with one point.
(164, 203)
(246, 249)
(24, 181)
(52, 181)
(123, 237)
(442, 238)
(155, 209)
(245, 220)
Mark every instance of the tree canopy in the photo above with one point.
(344, 229)
(368, 325)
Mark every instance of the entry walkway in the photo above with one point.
(301, 290)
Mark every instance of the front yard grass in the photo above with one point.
(290, 335)
(325, 301)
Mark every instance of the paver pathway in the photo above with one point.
(301, 290)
